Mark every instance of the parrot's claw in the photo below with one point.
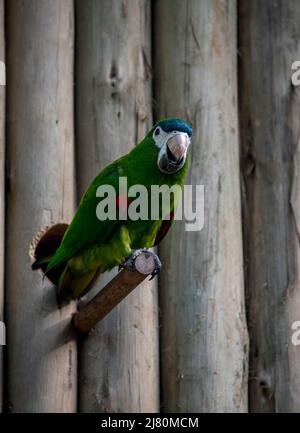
(129, 263)
(157, 266)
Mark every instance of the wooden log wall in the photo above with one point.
(270, 127)
(2, 183)
(41, 351)
(204, 341)
(119, 360)
(83, 81)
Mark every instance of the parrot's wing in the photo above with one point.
(85, 228)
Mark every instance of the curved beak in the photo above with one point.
(177, 146)
(172, 156)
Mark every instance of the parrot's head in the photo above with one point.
(172, 138)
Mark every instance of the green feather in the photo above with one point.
(90, 246)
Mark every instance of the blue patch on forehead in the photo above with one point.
(170, 125)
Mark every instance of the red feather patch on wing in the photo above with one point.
(164, 228)
(122, 202)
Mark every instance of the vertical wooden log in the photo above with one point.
(270, 129)
(119, 360)
(42, 350)
(204, 337)
(2, 180)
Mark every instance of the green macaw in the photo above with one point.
(73, 256)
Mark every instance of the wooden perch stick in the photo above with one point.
(113, 293)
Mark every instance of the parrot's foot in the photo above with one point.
(129, 263)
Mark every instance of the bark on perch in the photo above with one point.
(113, 293)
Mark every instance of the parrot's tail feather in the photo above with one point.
(43, 248)
(39, 264)
(74, 286)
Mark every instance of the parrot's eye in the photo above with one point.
(158, 136)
